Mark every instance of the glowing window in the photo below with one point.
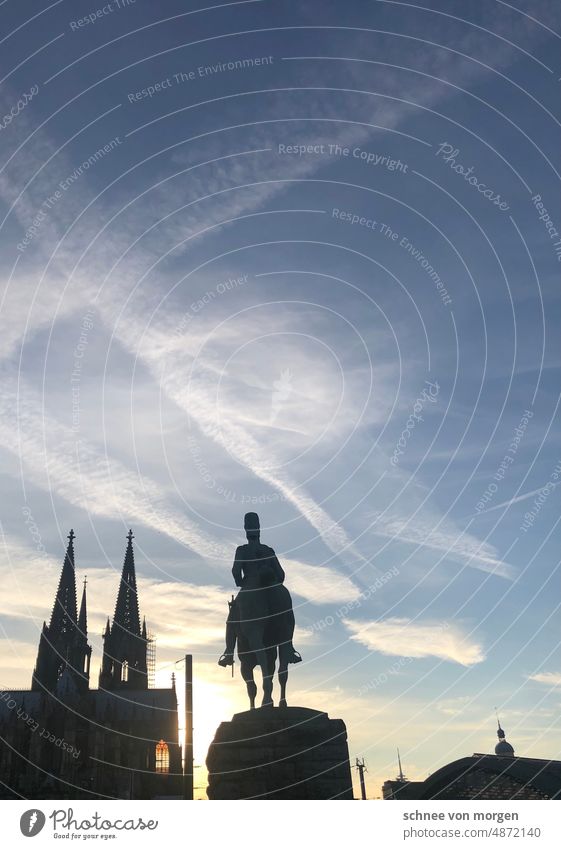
(162, 757)
(125, 671)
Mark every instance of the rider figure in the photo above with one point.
(256, 567)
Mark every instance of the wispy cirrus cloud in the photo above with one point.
(83, 475)
(116, 490)
(321, 583)
(229, 432)
(220, 178)
(506, 504)
(433, 532)
(195, 396)
(552, 679)
(88, 478)
(409, 638)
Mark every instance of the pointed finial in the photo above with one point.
(502, 748)
(130, 536)
(401, 777)
(85, 581)
(71, 535)
(83, 615)
(500, 733)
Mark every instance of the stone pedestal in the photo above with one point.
(280, 753)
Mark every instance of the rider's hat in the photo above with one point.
(251, 522)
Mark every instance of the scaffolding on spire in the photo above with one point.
(151, 659)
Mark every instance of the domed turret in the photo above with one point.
(503, 748)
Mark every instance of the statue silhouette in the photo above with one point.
(261, 619)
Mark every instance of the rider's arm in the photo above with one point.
(237, 569)
(276, 567)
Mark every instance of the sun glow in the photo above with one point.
(216, 698)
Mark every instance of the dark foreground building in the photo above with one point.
(499, 776)
(63, 740)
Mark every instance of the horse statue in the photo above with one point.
(261, 619)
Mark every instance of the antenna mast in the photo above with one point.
(401, 776)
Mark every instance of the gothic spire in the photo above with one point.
(64, 615)
(124, 662)
(127, 616)
(63, 645)
(83, 616)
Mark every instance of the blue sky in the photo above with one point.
(209, 307)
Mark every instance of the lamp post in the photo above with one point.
(361, 767)
(188, 755)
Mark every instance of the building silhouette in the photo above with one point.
(63, 739)
(499, 776)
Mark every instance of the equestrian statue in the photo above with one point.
(261, 618)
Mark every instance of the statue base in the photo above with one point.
(280, 753)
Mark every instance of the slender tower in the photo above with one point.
(124, 663)
(64, 643)
(401, 776)
(84, 651)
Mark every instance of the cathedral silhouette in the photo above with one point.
(62, 739)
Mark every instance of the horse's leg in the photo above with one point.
(263, 661)
(254, 637)
(271, 662)
(284, 653)
(247, 674)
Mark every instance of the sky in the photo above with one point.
(296, 258)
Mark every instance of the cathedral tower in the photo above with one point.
(124, 663)
(64, 642)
